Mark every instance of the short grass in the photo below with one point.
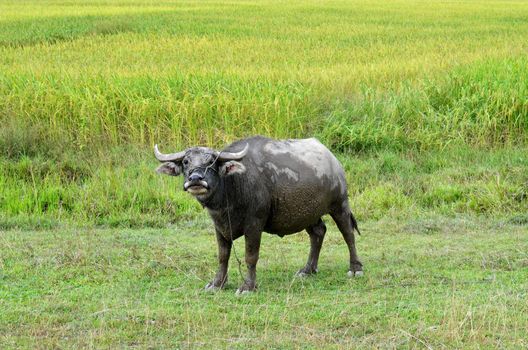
(429, 283)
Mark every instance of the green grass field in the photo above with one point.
(425, 104)
(429, 283)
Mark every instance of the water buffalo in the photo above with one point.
(260, 184)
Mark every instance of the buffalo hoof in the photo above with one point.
(241, 292)
(211, 287)
(355, 273)
(305, 272)
(245, 289)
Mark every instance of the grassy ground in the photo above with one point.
(429, 283)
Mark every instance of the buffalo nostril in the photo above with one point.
(195, 177)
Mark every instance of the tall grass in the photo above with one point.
(179, 111)
(485, 104)
(87, 88)
(119, 188)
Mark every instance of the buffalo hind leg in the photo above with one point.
(316, 233)
(224, 251)
(347, 224)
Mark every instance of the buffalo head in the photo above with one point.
(202, 167)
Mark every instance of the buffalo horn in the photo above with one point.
(170, 157)
(233, 155)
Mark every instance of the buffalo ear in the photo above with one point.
(232, 167)
(170, 168)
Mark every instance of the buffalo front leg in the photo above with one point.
(317, 233)
(252, 254)
(224, 251)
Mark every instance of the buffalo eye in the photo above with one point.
(185, 162)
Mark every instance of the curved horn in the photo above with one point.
(233, 155)
(171, 157)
